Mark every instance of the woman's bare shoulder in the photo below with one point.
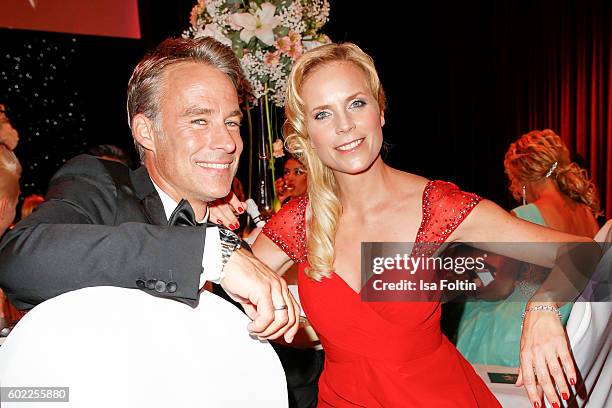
(409, 183)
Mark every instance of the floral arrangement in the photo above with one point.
(267, 36)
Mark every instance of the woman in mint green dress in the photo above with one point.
(556, 193)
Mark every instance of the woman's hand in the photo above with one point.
(224, 211)
(546, 361)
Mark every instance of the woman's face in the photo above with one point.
(343, 119)
(295, 178)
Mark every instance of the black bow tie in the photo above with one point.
(183, 215)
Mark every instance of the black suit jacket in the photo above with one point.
(101, 224)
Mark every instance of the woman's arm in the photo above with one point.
(544, 345)
(270, 254)
(491, 228)
(572, 258)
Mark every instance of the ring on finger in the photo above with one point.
(279, 308)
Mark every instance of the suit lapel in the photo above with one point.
(154, 209)
(145, 191)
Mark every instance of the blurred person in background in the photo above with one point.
(8, 135)
(556, 193)
(111, 152)
(293, 183)
(10, 172)
(281, 190)
(295, 177)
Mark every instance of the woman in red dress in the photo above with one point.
(382, 354)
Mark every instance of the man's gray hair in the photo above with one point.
(144, 86)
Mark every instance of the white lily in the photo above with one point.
(259, 25)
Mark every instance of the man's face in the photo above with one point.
(194, 155)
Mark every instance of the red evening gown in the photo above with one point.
(384, 354)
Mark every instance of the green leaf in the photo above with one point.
(281, 31)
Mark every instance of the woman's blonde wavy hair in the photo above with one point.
(532, 156)
(324, 201)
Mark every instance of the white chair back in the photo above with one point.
(116, 347)
(589, 330)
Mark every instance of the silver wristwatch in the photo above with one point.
(230, 242)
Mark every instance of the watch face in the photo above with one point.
(229, 236)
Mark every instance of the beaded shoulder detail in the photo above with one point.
(445, 206)
(287, 229)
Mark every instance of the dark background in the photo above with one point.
(456, 76)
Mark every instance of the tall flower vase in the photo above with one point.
(261, 183)
(265, 180)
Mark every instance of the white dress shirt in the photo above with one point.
(211, 258)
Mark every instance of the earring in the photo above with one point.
(524, 195)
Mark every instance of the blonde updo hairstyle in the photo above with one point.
(533, 155)
(323, 193)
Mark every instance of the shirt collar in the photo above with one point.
(170, 205)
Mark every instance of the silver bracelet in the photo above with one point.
(538, 308)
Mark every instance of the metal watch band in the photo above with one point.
(230, 242)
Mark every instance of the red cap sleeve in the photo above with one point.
(445, 206)
(287, 229)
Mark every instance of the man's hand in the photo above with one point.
(263, 295)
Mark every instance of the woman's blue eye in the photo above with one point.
(357, 104)
(321, 115)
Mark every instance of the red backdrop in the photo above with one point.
(114, 18)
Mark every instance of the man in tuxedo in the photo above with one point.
(103, 224)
